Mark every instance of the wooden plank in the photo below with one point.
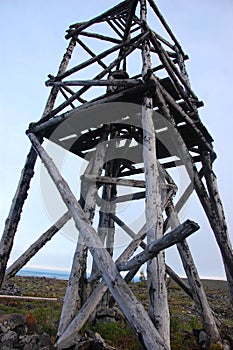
(20, 297)
(176, 235)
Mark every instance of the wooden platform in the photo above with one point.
(81, 131)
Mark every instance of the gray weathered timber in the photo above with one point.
(196, 286)
(13, 218)
(188, 263)
(156, 274)
(68, 337)
(113, 82)
(25, 180)
(221, 235)
(36, 246)
(131, 47)
(136, 315)
(184, 115)
(79, 260)
(114, 181)
(175, 236)
(217, 223)
(166, 26)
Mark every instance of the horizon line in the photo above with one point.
(66, 269)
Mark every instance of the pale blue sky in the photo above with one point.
(32, 44)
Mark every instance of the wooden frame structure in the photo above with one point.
(137, 115)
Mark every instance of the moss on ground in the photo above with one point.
(183, 315)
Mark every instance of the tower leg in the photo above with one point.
(156, 274)
(15, 212)
(197, 289)
(213, 208)
(24, 183)
(80, 256)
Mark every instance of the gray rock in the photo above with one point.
(10, 288)
(13, 335)
(9, 337)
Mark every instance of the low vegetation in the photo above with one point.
(184, 317)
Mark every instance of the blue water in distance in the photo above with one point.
(62, 275)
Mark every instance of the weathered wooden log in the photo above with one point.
(188, 263)
(195, 284)
(101, 37)
(171, 67)
(41, 126)
(68, 337)
(220, 233)
(111, 24)
(176, 278)
(13, 218)
(132, 46)
(113, 82)
(187, 119)
(78, 28)
(25, 179)
(91, 53)
(126, 228)
(213, 208)
(79, 260)
(129, 197)
(135, 313)
(181, 64)
(166, 26)
(70, 334)
(156, 275)
(66, 96)
(114, 181)
(158, 68)
(176, 235)
(92, 60)
(128, 24)
(36, 246)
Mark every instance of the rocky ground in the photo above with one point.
(31, 324)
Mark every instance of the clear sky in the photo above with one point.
(32, 44)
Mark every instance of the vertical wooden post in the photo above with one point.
(21, 193)
(80, 256)
(156, 274)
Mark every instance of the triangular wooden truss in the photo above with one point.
(128, 109)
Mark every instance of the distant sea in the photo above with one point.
(64, 275)
(61, 275)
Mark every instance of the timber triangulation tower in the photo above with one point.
(122, 100)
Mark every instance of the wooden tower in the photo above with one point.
(122, 100)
